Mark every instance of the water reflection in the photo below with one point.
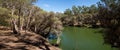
(74, 38)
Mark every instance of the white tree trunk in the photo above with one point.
(58, 39)
(15, 29)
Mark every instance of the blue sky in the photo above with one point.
(61, 5)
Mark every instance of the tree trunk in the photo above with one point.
(19, 17)
(35, 29)
(15, 29)
(58, 39)
(13, 10)
(21, 27)
(14, 26)
(28, 21)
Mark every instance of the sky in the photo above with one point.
(62, 5)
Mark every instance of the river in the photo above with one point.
(76, 38)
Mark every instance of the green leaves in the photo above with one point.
(79, 14)
(3, 11)
(109, 12)
(4, 16)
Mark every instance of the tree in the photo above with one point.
(109, 12)
(18, 6)
(80, 16)
(67, 17)
(24, 15)
(93, 9)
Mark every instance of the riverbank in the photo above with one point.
(25, 41)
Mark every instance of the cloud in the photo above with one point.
(46, 5)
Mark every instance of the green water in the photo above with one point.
(74, 38)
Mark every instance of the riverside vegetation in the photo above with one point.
(23, 15)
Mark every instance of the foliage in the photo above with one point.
(80, 16)
(4, 16)
(26, 16)
(109, 16)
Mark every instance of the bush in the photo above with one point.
(4, 17)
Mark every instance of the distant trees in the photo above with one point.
(80, 16)
(109, 17)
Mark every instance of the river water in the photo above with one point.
(76, 38)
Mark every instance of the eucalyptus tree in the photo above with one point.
(67, 17)
(93, 9)
(25, 15)
(80, 15)
(85, 9)
(55, 27)
(17, 8)
(109, 16)
(45, 24)
(76, 12)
